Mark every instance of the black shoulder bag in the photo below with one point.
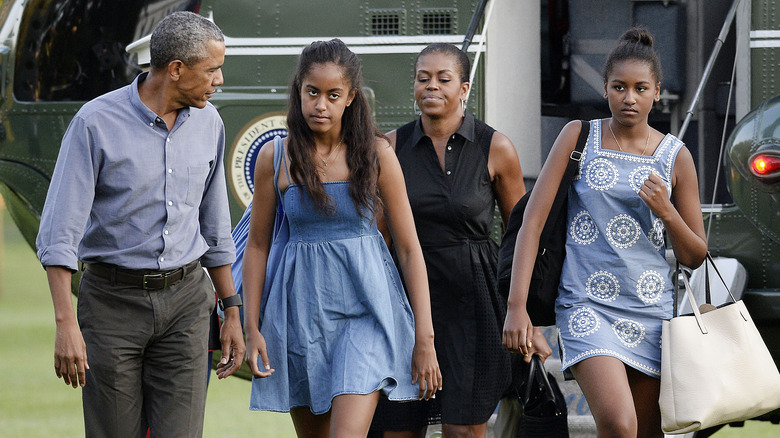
(552, 245)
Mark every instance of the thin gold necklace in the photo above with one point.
(325, 160)
(647, 141)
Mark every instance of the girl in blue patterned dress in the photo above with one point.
(325, 310)
(634, 185)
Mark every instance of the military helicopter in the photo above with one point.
(536, 63)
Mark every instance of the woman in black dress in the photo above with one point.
(456, 168)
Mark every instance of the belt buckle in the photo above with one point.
(148, 277)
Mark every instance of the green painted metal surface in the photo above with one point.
(262, 38)
(764, 61)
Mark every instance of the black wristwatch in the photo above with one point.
(233, 300)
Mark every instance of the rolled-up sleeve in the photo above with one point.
(69, 199)
(215, 213)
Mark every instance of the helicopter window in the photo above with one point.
(437, 23)
(386, 22)
(74, 50)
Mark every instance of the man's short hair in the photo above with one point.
(184, 36)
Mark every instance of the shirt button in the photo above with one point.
(168, 139)
(162, 259)
(165, 232)
(170, 202)
(449, 148)
(151, 124)
(170, 170)
(453, 136)
(449, 172)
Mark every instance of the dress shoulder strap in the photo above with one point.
(279, 160)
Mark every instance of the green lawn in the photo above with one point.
(34, 403)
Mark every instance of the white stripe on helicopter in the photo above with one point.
(762, 39)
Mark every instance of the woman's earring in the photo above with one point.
(463, 106)
(416, 108)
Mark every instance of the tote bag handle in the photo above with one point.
(689, 291)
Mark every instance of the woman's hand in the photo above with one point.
(540, 346)
(425, 369)
(518, 332)
(656, 195)
(255, 347)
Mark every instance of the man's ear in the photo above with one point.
(174, 69)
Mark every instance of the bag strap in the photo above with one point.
(571, 169)
(536, 366)
(715, 267)
(278, 159)
(689, 291)
(675, 297)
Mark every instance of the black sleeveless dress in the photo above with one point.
(453, 213)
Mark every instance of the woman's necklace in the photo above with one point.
(324, 165)
(647, 142)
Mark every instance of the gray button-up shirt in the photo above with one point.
(126, 191)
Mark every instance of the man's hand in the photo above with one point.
(231, 335)
(70, 354)
(70, 351)
(233, 347)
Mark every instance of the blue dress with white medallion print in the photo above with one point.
(615, 286)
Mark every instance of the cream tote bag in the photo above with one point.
(715, 368)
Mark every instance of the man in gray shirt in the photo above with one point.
(138, 195)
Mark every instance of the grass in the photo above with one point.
(34, 403)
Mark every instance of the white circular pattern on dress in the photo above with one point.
(623, 231)
(601, 174)
(583, 230)
(603, 286)
(638, 177)
(650, 286)
(630, 333)
(656, 235)
(583, 322)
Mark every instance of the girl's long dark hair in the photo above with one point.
(358, 131)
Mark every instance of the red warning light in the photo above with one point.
(766, 166)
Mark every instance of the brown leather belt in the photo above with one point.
(143, 279)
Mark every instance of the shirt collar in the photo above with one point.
(146, 114)
(466, 129)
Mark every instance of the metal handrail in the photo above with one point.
(710, 63)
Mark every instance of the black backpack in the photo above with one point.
(552, 245)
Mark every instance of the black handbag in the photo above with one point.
(552, 245)
(544, 408)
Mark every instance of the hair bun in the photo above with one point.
(638, 35)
